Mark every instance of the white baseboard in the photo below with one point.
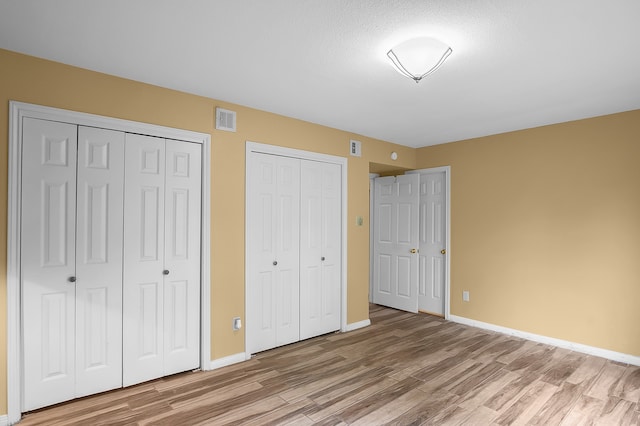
(228, 360)
(4, 420)
(565, 344)
(357, 325)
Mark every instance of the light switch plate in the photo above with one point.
(355, 148)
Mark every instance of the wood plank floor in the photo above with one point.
(404, 369)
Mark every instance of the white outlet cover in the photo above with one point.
(465, 296)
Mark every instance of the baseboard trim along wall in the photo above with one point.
(243, 356)
(578, 347)
(357, 325)
(4, 420)
(228, 360)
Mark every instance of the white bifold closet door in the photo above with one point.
(320, 251)
(161, 295)
(294, 255)
(273, 224)
(72, 183)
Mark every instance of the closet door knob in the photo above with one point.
(322, 258)
(165, 272)
(72, 279)
(275, 262)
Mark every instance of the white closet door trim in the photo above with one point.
(447, 280)
(19, 110)
(314, 156)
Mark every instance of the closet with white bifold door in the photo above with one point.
(294, 249)
(110, 259)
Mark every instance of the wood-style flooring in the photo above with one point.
(404, 369)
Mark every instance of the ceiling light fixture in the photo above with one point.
(419, 57)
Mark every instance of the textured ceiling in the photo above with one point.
(515, 64)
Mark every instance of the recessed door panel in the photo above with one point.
(180, 229)
(265, 293)
(149, 320)
(55, 347)
(97, 214)
(176, 315)
(54, 232)
(151, 213)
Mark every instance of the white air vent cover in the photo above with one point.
(225, 120)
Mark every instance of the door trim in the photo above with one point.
(19, 110)
(447, 279)
(372, 218)
(313, 156)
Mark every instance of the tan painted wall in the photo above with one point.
(545, 229)
(37, 81)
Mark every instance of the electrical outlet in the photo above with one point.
(465, 296)
(359, 221)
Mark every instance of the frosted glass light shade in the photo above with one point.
(419, 57)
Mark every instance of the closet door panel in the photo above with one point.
(273, 227)
(99, 260)
(143, 291)
(310, 249)
(261, 253)
(320, 250)
(331, 246)
(48, 261)
(287, 243)
(182, 256)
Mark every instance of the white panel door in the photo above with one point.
(273, 227)
(433, 243)
(143, 292)
(99, 260)
(182, 257)
(48, 262)
(320, 248)
(396, 242)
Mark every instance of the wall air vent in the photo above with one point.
(225, 120)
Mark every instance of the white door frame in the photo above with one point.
(19, 110)
(447, 282)
(372, 198)
(313, 156)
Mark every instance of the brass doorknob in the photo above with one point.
(443, 251)
(414, 251)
